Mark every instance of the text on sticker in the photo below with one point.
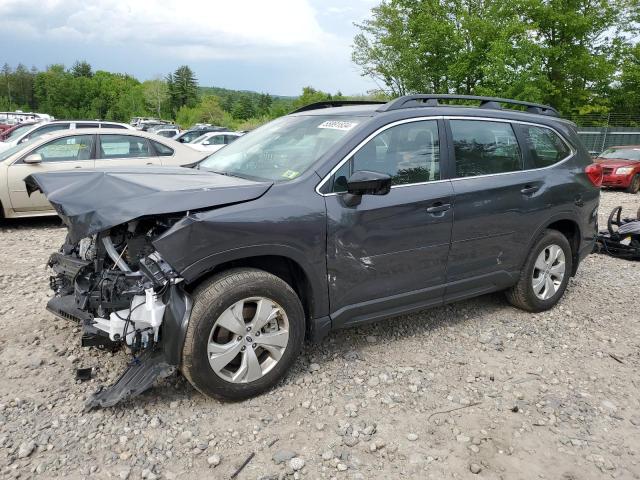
(337, 125)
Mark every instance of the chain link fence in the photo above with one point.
(601, 131)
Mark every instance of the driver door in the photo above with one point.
(390, 251)
(65, 153)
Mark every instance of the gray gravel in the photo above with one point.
(476, 389)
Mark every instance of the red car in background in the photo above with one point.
(621, 167)
(13, 129)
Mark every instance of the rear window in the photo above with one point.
(485, 148)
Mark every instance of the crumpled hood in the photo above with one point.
(90, 201)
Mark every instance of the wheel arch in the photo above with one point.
(295, 273)
(567, 226)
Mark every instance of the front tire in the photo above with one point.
(246, 330)
(545, 274)
(634, 186)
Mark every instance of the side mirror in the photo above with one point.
(206, 142)
(364, 182)
(33, 158)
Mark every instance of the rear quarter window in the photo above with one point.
(162, 150)
(544, 146)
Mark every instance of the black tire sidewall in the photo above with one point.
(634, 186)
(205, 313)
(550, 237)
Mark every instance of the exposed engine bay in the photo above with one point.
(119, 287)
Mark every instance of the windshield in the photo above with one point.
(632, 154)
(16, 148)
(282, 149)
(19, 130)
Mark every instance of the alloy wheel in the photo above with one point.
(248, 339)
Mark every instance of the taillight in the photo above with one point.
(594, 174)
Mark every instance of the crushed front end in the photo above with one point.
(123, 294)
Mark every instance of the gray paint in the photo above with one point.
(387, 255)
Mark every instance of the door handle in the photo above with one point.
(529, 190)
(438, 207)
(149, 163)
(77, 167)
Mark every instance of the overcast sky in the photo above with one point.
(276, 46)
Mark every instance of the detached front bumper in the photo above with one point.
(153, 363)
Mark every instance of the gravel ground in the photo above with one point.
(475, 389)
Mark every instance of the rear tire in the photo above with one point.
(634, 186)
(545, 274)
(246, 330)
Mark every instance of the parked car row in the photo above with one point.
(43, 128)
(78, 148)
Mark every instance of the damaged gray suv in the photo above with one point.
(338, 214)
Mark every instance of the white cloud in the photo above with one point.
(195, 30)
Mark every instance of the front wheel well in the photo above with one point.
(280, 266)
(571, 231)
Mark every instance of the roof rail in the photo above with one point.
(431, 100)
(336, 103)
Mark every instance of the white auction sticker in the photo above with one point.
(338, 125)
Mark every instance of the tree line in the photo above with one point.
(80, 93)
(580, 56)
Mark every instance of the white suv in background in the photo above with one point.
(49, 127)
(213, 141)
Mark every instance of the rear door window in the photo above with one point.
(484, 148)
(86, 125)
(123, 146)
(216, 140)
(544, 145)
(112, 125)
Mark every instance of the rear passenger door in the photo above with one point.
(496, 206)
(125, 151)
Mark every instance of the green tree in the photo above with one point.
(243, 108)
(156, 93)
(7, 80)
(626, 97)
(186, 117)
(81, 69)
(563, 52)
(264, 104)
(183, 88)
(211, 111)
(310, 95)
